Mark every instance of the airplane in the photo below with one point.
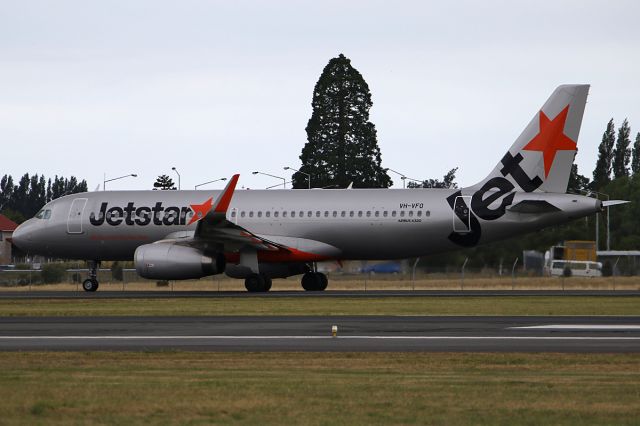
(259, 235)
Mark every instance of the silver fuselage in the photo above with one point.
(338, 224)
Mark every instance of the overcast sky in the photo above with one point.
(221, 87)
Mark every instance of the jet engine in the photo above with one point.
(167, 261)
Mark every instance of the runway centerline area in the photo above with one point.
(314, 333)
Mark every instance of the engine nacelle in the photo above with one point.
(165, 261)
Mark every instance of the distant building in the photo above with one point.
(7, 226)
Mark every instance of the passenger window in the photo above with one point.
(293, 214)
(411, 213)
(368, 213)
(377, 213)
(393, 213)
(402, 213)
(251, 214)
(419, 213)
(351, 213)
(359, 213)
(284, 213)
(242, 214)
(326, 213)
(335, 213)
(309, 213)
(301, 213)
(267, 214)
(385, 213)
(260, 214)
(427, 213)
(233, 214)
(343, 213)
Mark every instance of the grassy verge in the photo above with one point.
(311, 388)
(543, 305)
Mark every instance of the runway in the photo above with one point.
(100, 294)
(307, 333)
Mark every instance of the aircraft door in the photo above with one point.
(74, 222)
(462, 214)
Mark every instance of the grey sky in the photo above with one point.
(221, 87)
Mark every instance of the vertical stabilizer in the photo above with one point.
(542, 156)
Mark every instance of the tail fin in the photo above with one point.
(541, 157)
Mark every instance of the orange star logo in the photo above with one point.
(551, 139)
(200, 210)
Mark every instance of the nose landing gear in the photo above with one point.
(91, 283)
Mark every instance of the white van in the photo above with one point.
(578, 268)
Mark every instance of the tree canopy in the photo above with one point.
(23, 200)
(164, 183)
(342, 146)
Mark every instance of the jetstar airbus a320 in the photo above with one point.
(260, 235)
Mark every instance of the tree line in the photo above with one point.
(23, 200)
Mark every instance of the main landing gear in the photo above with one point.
(91, 283)
(314, 281)
(257, 283)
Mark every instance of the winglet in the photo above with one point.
(223, 201)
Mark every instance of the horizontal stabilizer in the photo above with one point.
(614, 202)
(533, 206)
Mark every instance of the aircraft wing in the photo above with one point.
(214, 230)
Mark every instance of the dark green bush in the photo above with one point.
(53, 273)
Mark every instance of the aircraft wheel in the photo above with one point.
(90, 285)
(313, 281)
(324, 281)
(255, 283)
(267, 283)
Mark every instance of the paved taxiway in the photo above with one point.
(355, 333)
(101, 294)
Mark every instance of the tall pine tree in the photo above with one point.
(342, 146)
(602, 172)
(164, 183)
(622, 153)
(635, 160)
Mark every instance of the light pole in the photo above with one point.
(597, 194)
(402, 176)
(284, 181)
(105, 180)
(211, 181)
(176, 170)
(307, 174)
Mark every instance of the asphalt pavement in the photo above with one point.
(314, 333)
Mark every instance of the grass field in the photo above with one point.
(529, 305)
(315, 389)
(364, 282)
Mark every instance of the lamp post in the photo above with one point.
(284, 181)
(597, 194)
(176, 170)
(402, 176)
(105, 180)
(307, 174)
(211, 181)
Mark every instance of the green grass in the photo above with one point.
(544, 305)
(318, 388)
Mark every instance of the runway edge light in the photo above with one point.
(334, 331)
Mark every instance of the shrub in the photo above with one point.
(53, 273)
(116, 271)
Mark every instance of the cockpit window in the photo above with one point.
(43, 214)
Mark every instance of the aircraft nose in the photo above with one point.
(22, 236)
